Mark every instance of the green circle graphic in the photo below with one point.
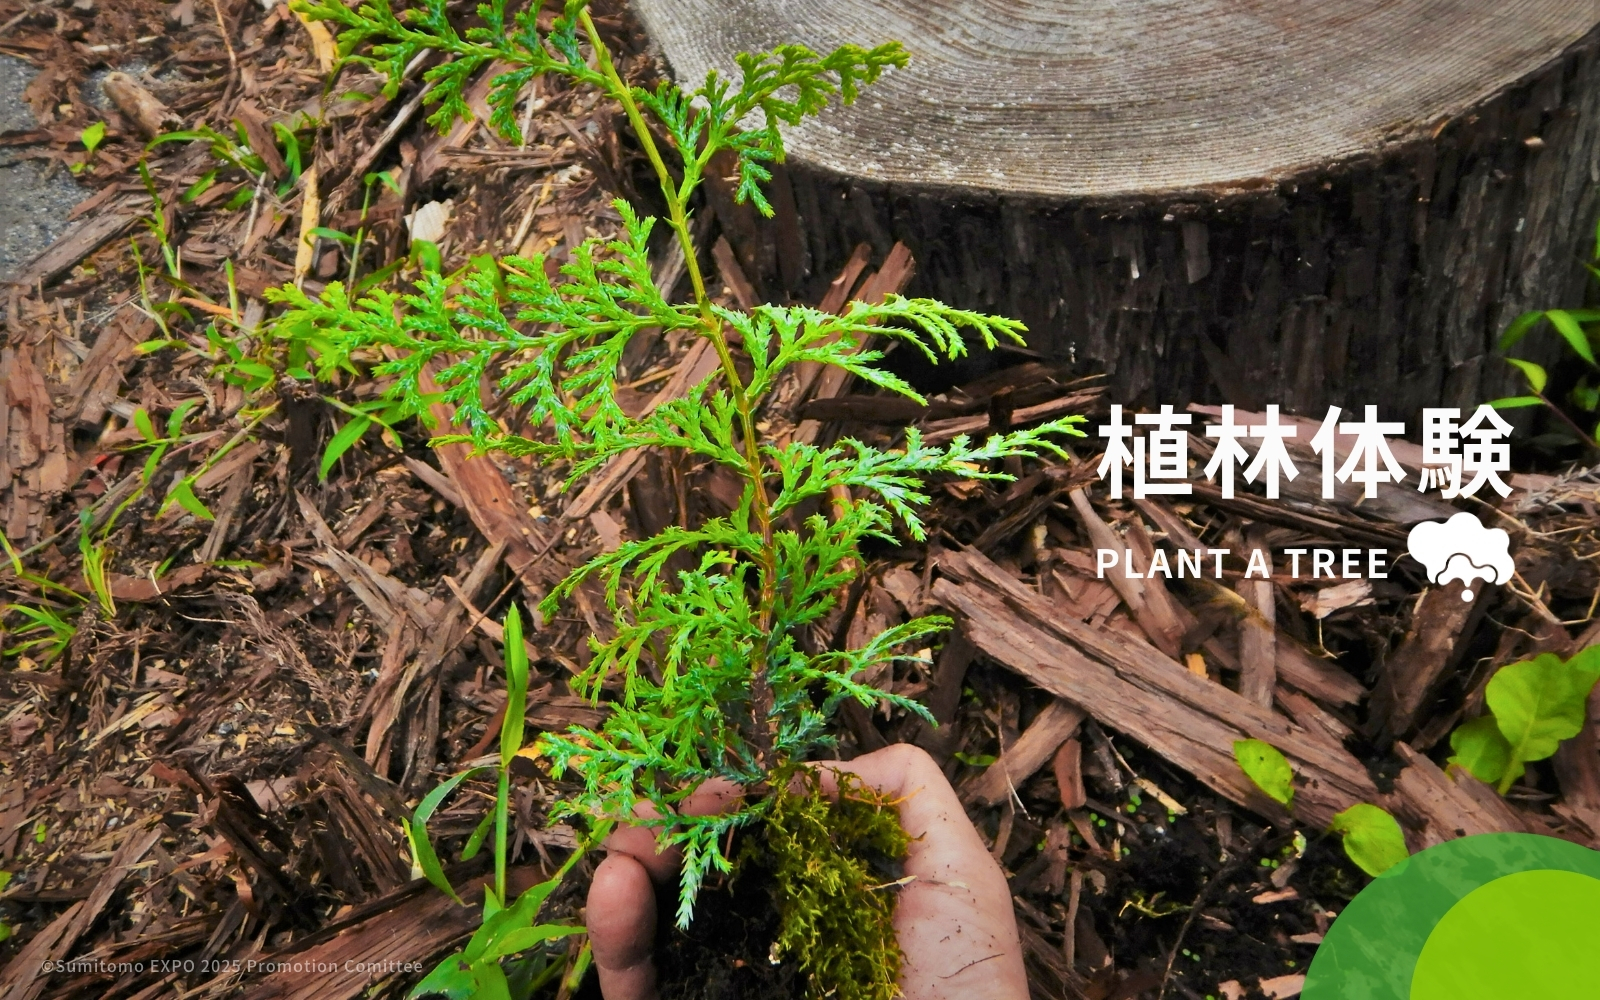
(1525, 935)
(1526, 927)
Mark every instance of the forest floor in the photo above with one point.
(204, 766)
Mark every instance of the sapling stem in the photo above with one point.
(762, 725)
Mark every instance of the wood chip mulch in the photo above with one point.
(207, 783)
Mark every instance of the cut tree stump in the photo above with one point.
(1302, 203)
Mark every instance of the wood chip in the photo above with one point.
(1018, 762)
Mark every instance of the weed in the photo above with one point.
(1533, 706)
(1580, 330)
(91, 138)
(508, 926)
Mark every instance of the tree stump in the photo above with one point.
(1295, 202)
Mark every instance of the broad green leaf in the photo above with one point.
(92, 136)
(452, 978)
(1536, 375)
(1515, 402)
(492, 983)
(342, 442)
(1585, 667)
(524, 938)
(975, 759)
(1568, 327)
(519, 914)
(1372, 838)
(1536, 704)
(1263, 764)
(1481, 749)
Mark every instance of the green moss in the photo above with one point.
(836, 865)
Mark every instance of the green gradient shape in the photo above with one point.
(1529, 934)
(1373, 948)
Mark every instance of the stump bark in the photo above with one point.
(1295, 202)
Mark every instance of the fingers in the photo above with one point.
(622, 928)
(715, 796)
(954, 920)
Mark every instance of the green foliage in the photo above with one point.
(836, 914)
(781, 87)
(1579, 329)
(48, 628)
(508, 929)
(92, 136)
(236, 152)
(5, 929)
(1372, 838)
(714, 679)
(1267, 767)
(1533, 706)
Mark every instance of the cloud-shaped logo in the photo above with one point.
(1462, 549)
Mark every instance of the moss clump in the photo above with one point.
(836, 864)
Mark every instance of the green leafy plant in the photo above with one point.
(1371, 836)
(236, 152)
(1579, 329)
(1268, 768)
(714, 670)
(91, 138)
(48, 628)
(1533, 706)
(5, 929)
(485, 968)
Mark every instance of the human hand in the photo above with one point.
(953, 919)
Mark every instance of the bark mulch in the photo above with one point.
(201, 788)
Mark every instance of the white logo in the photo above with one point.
(1462, 549)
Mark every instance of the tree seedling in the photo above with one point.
(714, 664)
(1371, 836)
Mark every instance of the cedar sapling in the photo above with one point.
(713, 679)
